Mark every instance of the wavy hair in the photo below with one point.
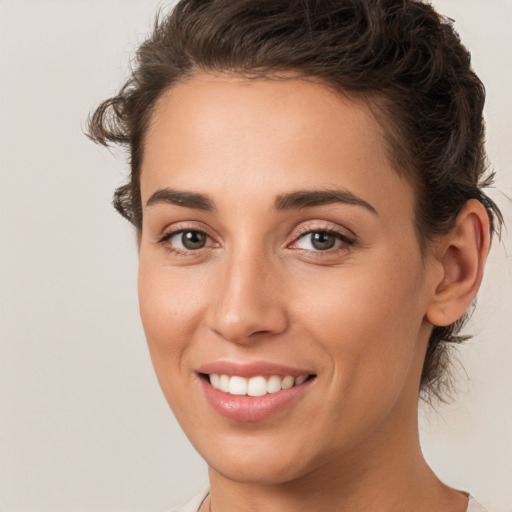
(403, 58)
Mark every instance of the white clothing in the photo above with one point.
(194, 504)
(474, 506)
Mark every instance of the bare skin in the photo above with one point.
(225, 160)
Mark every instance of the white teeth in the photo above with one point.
(288, 382)
(214, 380)
(300, 380)
(237, 386)
(255, 386)
(274, 384)
(224, 383)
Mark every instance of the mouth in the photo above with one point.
(253, 392)
(256, 386)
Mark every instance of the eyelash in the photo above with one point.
(346, 241)
(180, 252)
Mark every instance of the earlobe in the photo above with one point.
(462, 256)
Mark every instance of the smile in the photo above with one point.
(254, 386)
(254, 391)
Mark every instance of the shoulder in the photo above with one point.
(193, 504)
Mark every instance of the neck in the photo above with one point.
(386, 473)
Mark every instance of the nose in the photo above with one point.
(248, 306)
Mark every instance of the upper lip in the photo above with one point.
(251, 369)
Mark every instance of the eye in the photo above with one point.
(186, 240)
(321, 240)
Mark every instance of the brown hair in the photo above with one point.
(400, 55)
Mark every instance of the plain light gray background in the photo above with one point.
(83, 425)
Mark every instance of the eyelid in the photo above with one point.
(178, 227)
(345, 235)
(172, 234)
(324, 226)
(181, 227)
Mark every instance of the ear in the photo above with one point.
(461, 255)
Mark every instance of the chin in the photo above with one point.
(259, 461)
(261, 472)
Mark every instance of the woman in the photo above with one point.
(307, 188)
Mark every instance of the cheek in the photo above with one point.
(171, 307)
(368, 319)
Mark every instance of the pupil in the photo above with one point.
(323, 241)
(193, 239)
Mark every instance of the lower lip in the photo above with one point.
(252, 408)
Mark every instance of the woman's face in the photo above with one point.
(278, 242)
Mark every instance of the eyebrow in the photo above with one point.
(308, 198)
(183, 198)
(290, 201)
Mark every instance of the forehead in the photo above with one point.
(215, 133)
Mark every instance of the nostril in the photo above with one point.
(259, 332)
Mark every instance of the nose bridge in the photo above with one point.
(248, 302)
